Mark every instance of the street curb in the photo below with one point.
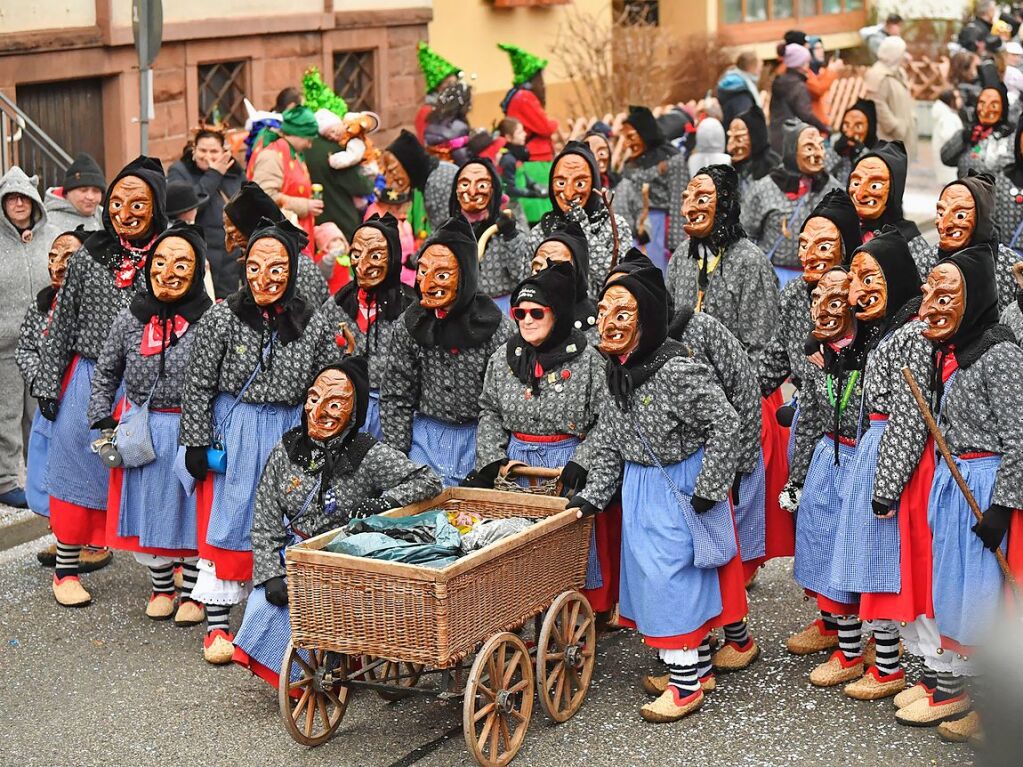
(23, 531)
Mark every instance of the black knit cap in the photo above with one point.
(982, 189)
(551, 287)
(593, 204)
(249, 206)
(976, 264)
(795, 36)
(84, 171)
(891, 251)
(869, 110)
(413, 158)
(646, 125)
(837, 208)
(646, 283)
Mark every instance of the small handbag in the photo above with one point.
(132, 437)
(216, 454)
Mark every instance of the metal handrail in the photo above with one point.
(18, 130)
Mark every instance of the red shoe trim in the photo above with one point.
(842, 659)
(57, 581)
(741, 648)
(214, 634)
(156, 594)
(957, 699)
(900, 674)
(676, 694)
(707, 677)
(823, 630)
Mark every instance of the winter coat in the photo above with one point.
(62, 215)
(790, 98)
(340, 187)
(737, 91)
(896, 109)
(945, 123)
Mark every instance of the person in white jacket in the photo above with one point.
(945, 123)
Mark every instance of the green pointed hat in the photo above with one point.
(524, 65)
(318, 95)
(435, 67)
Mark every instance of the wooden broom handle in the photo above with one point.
(607, 198)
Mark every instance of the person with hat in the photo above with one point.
(277, 165)
(438, 75)
(567, 243)
(183, 204)
(447, 125)
(78, 201)
(790, 97)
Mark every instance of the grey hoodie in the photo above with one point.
(64, 217)
(23, 270)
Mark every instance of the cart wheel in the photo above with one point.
(498, 700)
(565, 655)
(393, 672)
(314, 702)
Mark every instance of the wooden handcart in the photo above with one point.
(389, 627)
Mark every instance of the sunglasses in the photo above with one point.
(518, 314)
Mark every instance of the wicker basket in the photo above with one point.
(437, 617)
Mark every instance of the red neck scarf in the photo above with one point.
(133, 261)
(367, 314)
(157, 335)
(804, 187)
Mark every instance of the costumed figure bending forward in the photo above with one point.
(749, 144)
(567, 244)
(985, 144)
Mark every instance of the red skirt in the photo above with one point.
(229, 565)
(608, 530)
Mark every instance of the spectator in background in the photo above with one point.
(288, 98)
(213, 174)
(875, 35)
(962, 74)
(739, 87)
(789, 94)
(945, 123)
(340, 186)
(886, 86)
(710, 146)
(820, 77)
(78, 201)
(977, 34)
(183, 204)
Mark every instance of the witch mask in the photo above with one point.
(267, 270)
(172, 269)
(820, 248)
(855, 126)
(832, 320)
(699, 204)
(869, 185)
(739, 144)
(233, 237)
(633, 141)
(810, 152)
(550, 250)
(60, 254)
(130, 205)
(989, 107)
(601, 152)
(369, 255)
(868, 290)
(396, 178)
(437, 277)
(957, 217)
(618, 321)
(329, 405)
(571, 181)
(944, 302)
(474, 189)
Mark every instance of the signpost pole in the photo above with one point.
(142, 42)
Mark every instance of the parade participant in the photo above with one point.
(429, 400)
(476, 195)
(966, 216)
(407, 169)
(103, 277)
(628, 201)
(146, 352)
(666, 436)
(858, 135)
(447, 125)
(778, 202)
(574, 194)
(877, 183)
(371, 304)
(882, 544)
(980, 403)
(653, 161)
(1012, 315)
(252, 358)
(322, 473)
(438, 74)
(750, 147)
(1008, 212)
(985, 144)
(568, 244)
(829, 424)
(242, 216)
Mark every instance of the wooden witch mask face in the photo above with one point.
(267, 270)
(832, 319)
(131, 207)
(172, 269)
(233, 237)
(989, 107)
(571, 182)
(618, 321)
(810, 152)
(396, 178)
(868, 290)
(699, 204)
(474, 188)
(739, 144)
(369, 255)
(944, 302)
(855, 126)
(60, 254)
(633, 141)
(601, 151)
(437, 277)
(329, 405)
(957, 217)
(869, 185)
(820, 248)
(554, 251)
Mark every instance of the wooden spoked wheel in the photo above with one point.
(313, 703)
(566, 655)
(498, 700)
(392, 672)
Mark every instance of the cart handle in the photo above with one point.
(534, 472)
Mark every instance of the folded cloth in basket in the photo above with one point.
(492, 530)
(423, 539)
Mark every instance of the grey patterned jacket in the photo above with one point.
(764, 211)
(224, 353)
(1013, 317)
(376, 348)
(505, 263)
(432, 381)
(284, 487)
(437, 193)
(742, 293)
(665, 192)
(990, 155)
(310, 284)
(982, 411)
(783, 356)
(121, 360)
(565, 405)
(680, 409)
(1008, 210)
(28, 352)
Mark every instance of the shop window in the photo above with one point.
(638, 13)
(355, 78)
(739, 11)
(222, 88)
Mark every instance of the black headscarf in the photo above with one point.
(106, 245)
(837, 208)
(891, 251)
(657, 147)
(762, 159)
(787, 175)
(976, 264)
(987, 77)
(494, 207)
(550, 287)
(982, 188)
(612, 177)
(570, 234)
(726, 229)
(44, 298)
(413, 158)
(249, 207)
(474, 317)
(289, 315)
(893, 155)
(676, 124)
(1014, 170)
(847, 148)
(389, 295)
(594, 207)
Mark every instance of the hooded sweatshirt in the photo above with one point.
(710, 146)
(62, 213)
(24, 271)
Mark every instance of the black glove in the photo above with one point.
(195, 462)
(506, 225)
(580, 503)
(785, 415)
(483, 477)
(701, 505)
(573, 478)
(736, 483)
(48, 408)
(880, 508)
(993, 526)
(643, 238)
(103, 424)
(371, 506)
(276, 591)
